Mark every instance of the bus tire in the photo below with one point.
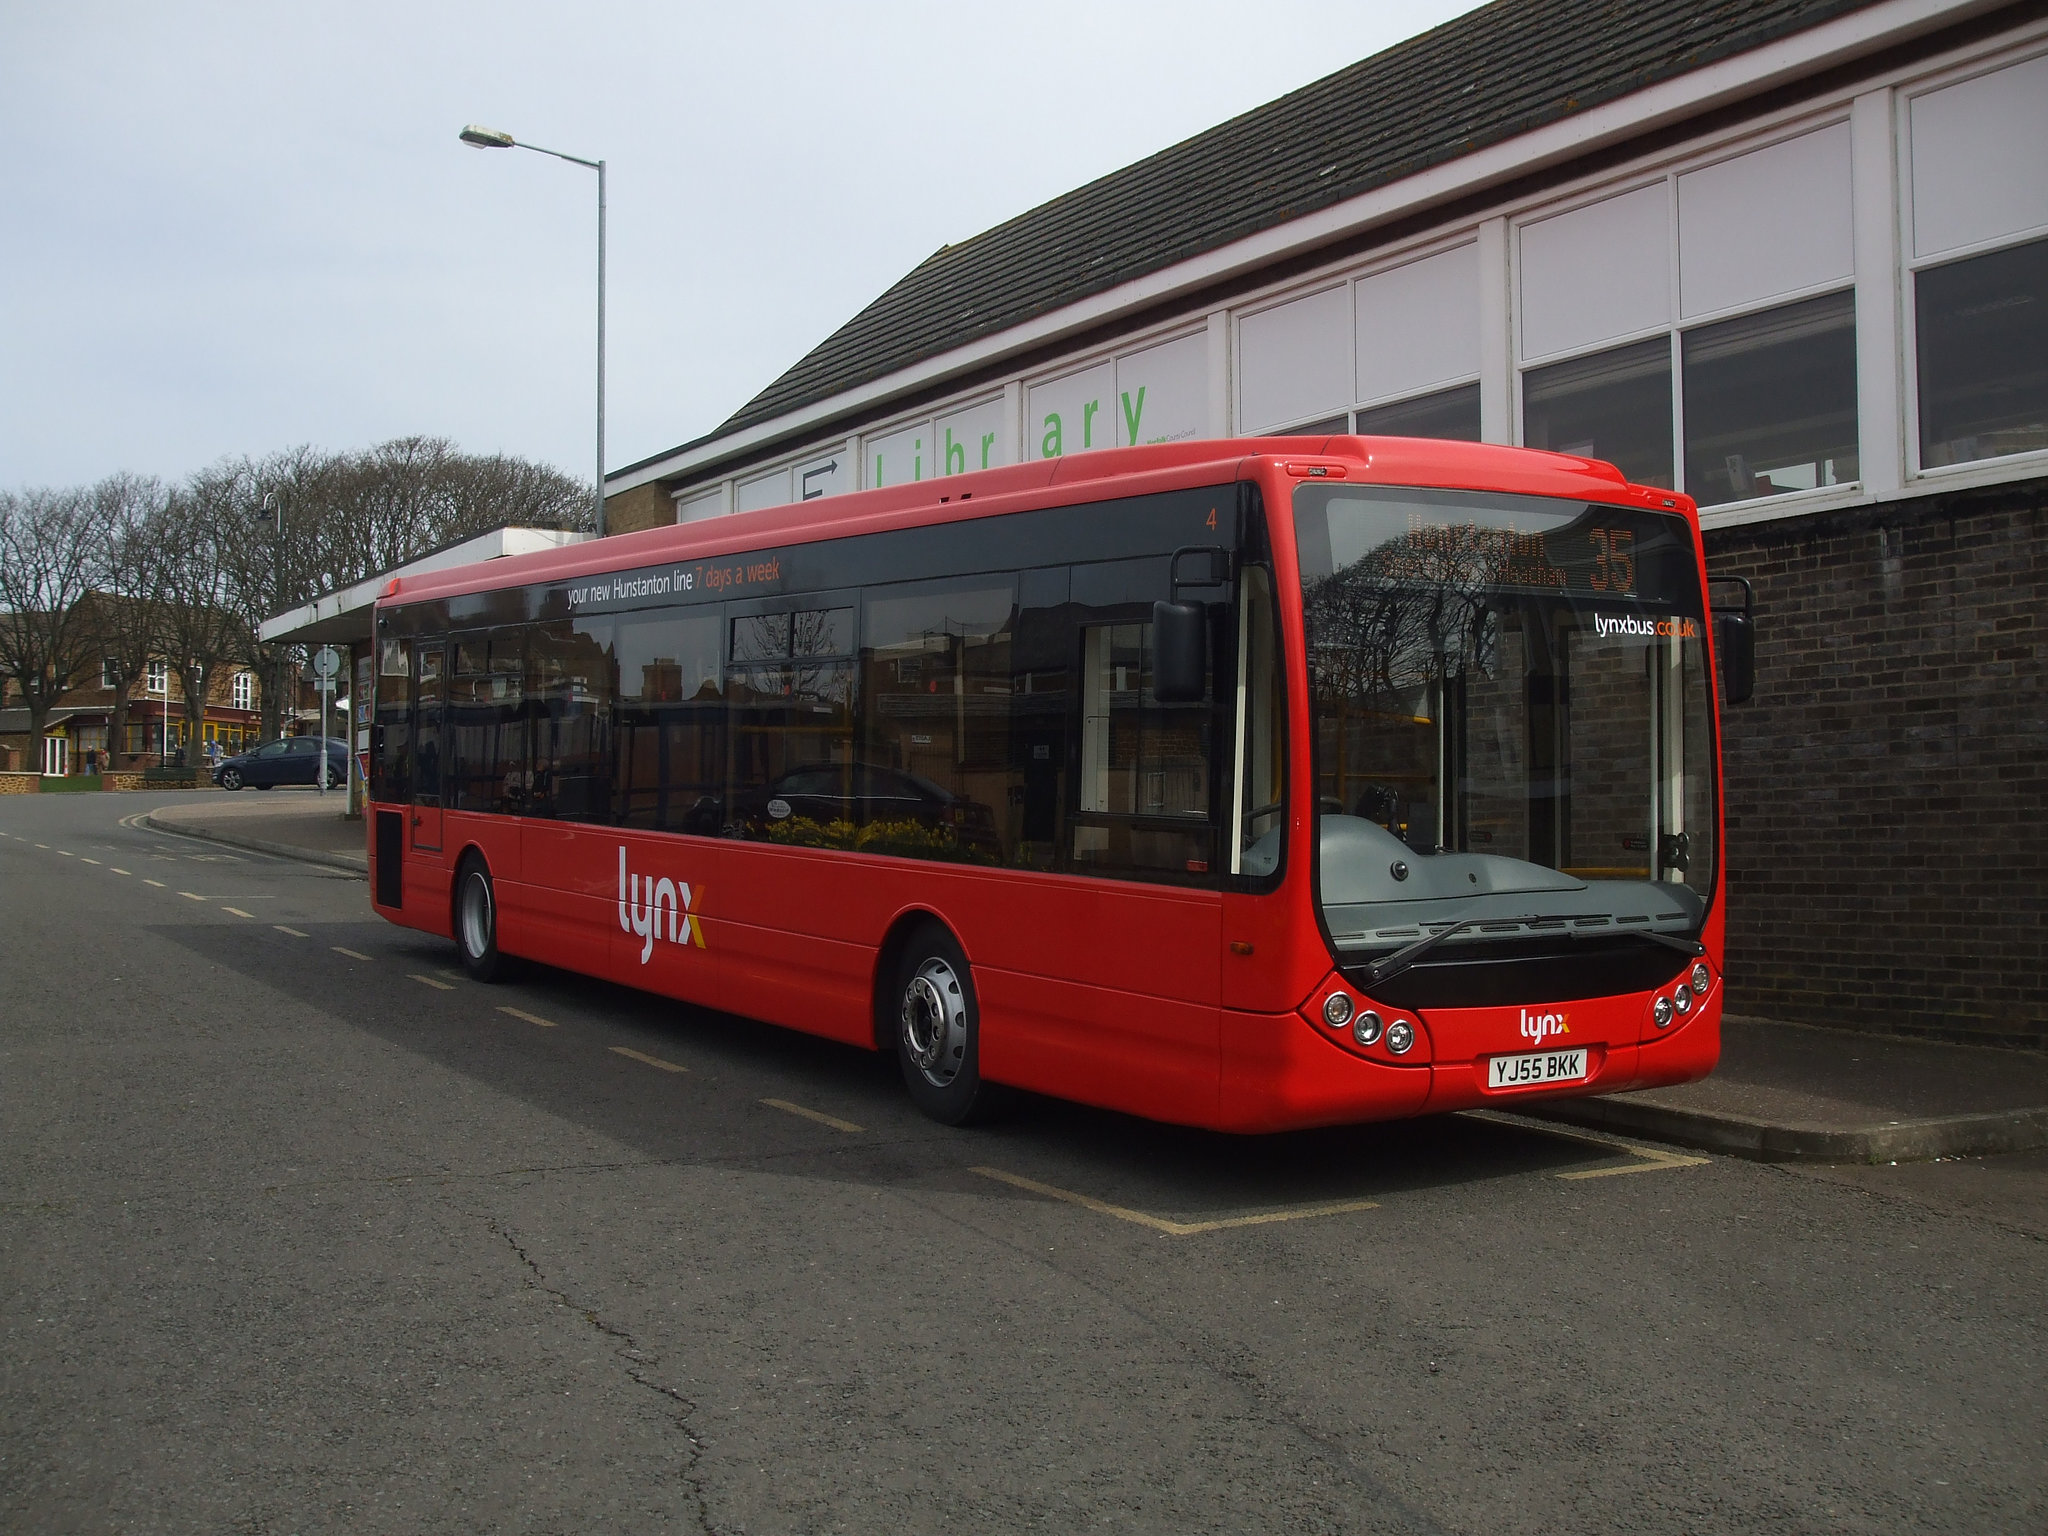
(937, 1028)
(476, 921)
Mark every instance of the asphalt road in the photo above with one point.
(301, 1231)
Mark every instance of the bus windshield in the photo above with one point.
(1511, 717)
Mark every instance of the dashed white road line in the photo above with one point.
(280, 927)
(238, 911)
(531, 1018)
(834, 1121)
(353, 954)
(431, 981)
(652, 1061)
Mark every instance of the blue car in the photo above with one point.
(294, 760)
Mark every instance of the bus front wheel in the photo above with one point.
(938, 1028)
(476, 922)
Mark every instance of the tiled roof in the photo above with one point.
(1497, 72)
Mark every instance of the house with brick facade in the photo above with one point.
(83, 736)
(1788, 256)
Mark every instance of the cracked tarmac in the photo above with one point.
(297, 1240)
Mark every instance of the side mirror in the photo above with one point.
(1735, 645)
(1180, 652)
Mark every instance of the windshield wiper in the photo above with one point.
(1401, 959)
(1684, 946)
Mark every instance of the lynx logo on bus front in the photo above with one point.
(645, 918)
(1538, 1026)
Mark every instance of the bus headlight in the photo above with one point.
(1400, 1036)
(1682, 1000)
(1661, 1012)
(1337, 1010)
(1702, 978)
(1368, 1029)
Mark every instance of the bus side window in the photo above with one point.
(1041, 677)
(789, 690)
(486, 729)
(668, 730)
(1261, 731)
(393, 762)
(1142, 796)
(936, 698)
(569, 685)
(430, 691)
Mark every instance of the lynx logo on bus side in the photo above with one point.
(1538, 1026)
(664, 896)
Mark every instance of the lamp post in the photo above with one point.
(490, 138)
(273, 502)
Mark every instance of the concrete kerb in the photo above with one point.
(1891, 1141)
(354, 863)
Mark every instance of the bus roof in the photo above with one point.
(1102, 474)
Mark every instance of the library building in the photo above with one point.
(1787, 256)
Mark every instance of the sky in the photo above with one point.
(229, 229)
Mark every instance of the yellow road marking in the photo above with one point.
(191, 896)
(238, 911)
(1658, 1160)
(1655, 1159)
(280, 927)
(157, 883)
(531, 1018)
(452, 975)
(84, 860)
(353, 954)
(834, 1121)
(652, 1061)
(1163, 1224)
(430, 981)
(117, 871)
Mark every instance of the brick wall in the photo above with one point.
(645, 506)
(1888, 786)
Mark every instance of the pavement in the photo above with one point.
(291, 823)
(1783, 1092)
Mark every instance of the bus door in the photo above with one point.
(1259, 933)
(430, 693)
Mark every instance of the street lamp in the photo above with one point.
(490, 138)
(273, 502)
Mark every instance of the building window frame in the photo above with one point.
(1676, 323)
(1910, 264)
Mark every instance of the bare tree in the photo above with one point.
(201, 626)
(127, 600)
(50, 543)
(348, 516)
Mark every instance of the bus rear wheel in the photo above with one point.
(938, 1029)
(476, 922)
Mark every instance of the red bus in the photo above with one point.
(1250, 785)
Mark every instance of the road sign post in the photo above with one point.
(326, 662)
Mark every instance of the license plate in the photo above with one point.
(1536, 1067)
